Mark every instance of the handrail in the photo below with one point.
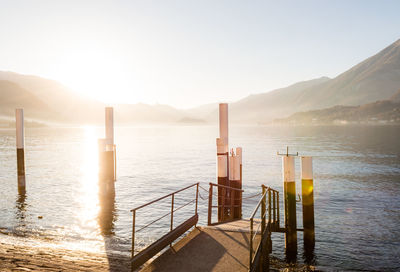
(161, 198)
(165, 215)
(257, 259)
(258, 205)
(173, 234)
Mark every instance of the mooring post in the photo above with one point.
(107, 156)
(109, 125)
(222, 158)
(289, 188)
(238, 211)
(234, 175)
(307, 188)
(19, 123)
(222, 173)
(106, 177)
(109, 129)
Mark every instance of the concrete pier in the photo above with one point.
(224, 247)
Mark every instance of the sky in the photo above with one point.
(188, 53)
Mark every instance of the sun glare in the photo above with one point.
(89, 181)
(96, 73)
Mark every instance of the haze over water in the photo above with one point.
(356, 177)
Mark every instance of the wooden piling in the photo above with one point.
(223, 123)
(106, 169)
(290, 206)
(109, 131)
(20, 142)
(234, 176)
(222, 158)
(109, 125)
(307, 188)
(222, 173)
(107, 156)
(238, 211)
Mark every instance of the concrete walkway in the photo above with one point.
(223, 247)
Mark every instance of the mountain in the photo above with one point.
(258, 107)
(53, 102)
(380, 112)
(376, 78)
(396, 96)
(50, 101)
(13, 96)
(143, 113)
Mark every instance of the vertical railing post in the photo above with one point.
(274, 207)
(232, 203)
(172, 211)
(240, 204)
(172, 214)
(223, 204)
(197, 197)
(251, 243)
(277, 209)
(115, 162)
(210, 193)
(133, 234)
(269, 208)
(263, 209)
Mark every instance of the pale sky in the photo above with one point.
(187, 53)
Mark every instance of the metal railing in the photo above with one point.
(151, 250)
(259, 259)
(222, 192)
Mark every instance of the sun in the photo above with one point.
(94, 72)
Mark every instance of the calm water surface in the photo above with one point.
(356, 177)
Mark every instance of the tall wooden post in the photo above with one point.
(223, 123)
(222, 172)
(19, 122)
(289, 188)
(109, 125)
(234, 176)
(238, 211)
(307, 189)
(222, 157)
(107, 156)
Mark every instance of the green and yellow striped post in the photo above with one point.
(307, 188)
(289, 189)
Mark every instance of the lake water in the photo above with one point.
(356, 177)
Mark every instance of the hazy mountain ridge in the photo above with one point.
(50, 101)
(259, 107)
(375, 79)
(380, 112)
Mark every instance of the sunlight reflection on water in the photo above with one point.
(88, 198)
